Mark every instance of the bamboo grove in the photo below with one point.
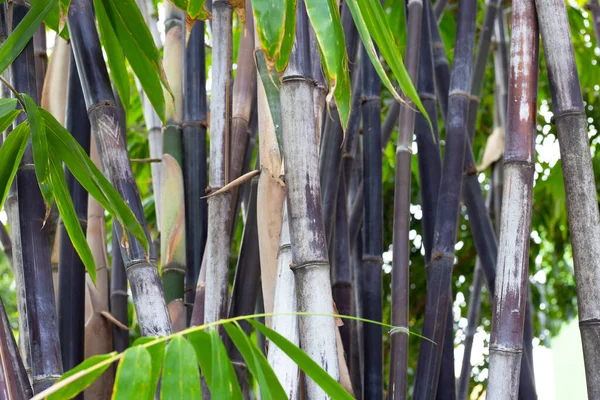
(294, 198)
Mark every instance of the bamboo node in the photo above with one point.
(399, 329)
(309, 264)
(565, 113)
(471, 170)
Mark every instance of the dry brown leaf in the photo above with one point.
(234, 183)
(494, 149)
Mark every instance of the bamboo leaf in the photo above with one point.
(139, 48)
(11, 153)
(86, 380)
(8, 119)
(69, 216)
(20, 36)
(306, 364)
(180, 378)
(63, 12)
(157, 354)
(270, 17)
(114, 54)
(94, 182)
(325, 19)
(39, 143)
(202, 342)
(289, 35)
(133, 379)
(272, 91)
(52, 21)
(270, 387)
(196, 9)
(370, 20)
(224, 380)
(6, 106)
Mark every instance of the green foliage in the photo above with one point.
(90, 370)
(11, 153)
(181, 377)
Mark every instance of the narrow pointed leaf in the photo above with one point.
(325, 19)
(157, 354)
(20, 36)
(11, 153)
(133, 379)
(63, 11)
(180, 378)
(270, 387)
(8, 119)
(272, 91)
(270, 17)
(289, 35)
(195, 8)
(52, 21)
(139, 48)
(6, 106)
(39, 145)
(306, 364)
(224, 380)
(93, 372)
(94, 182)
(202, 344)
(114, 54)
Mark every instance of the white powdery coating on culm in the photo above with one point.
(150, 305)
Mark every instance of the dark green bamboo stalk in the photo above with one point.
(582, 205)
(309, 246)
(14, 383)
(118, 296)
(194, 157)
(519, 158)
(106, 126)
(172, 215)
(36, 274)
(71, 271)
(219, 207)
(440, 271)
(401, 243)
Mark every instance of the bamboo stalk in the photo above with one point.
(401, 242)
(580, 189)
(285, 368)
(438, 9)
(36, 273)
(219, 207)
(309, 246)
(173, 241)
(519, 158)
(594, 8)
(118, 297)
(194, 157)
(41, 57)
(501, 67)
(106, 122)
(441, 65)
(440, 271)
(6, 244)
(14, 383)
(71, 277)
(98, 330)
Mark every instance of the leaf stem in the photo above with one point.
(12, 89)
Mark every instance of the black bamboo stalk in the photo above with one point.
(441, 65)
(519, 157)
(41, 57)
(582, 206)
(438, 9)
(309, 245)
(389, 123)
(501, 68)
(118, 295)
(594, 8)
(71, 271)
(219, 207)
(372, 228)
(440, 271)
(401, 243)
(14, 383)
(194, 157)
(106, 126)
(44, 345)
(6, 244)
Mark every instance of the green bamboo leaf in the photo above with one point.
(272, 91)
(196, 8)
(20, 36)
(133, 379)
(6, 106)
(157, 354)
(94, 182)
(139, 48)
(39, 143)
(325, 19)
(306, 364)
(64, 11)
(181, 4)
(270, 387)
(76, 387)
(289, 35)
(370, 20)
(52, 21)
(8, 119)
(69, 216)
(114, 54)
(270, 17)
(180, 378)
(224, 380)
(11, 153)
(202, 344)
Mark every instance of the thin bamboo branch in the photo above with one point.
(107, 126)
(578, 172)
(519, 158)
